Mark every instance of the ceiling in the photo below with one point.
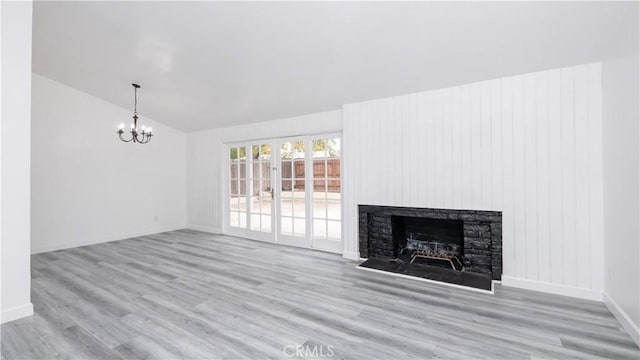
(212, 64)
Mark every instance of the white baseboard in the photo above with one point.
(557, 289)
(624, 319)
(16, 312)
(207, 229)
(351, 255)
(99, 240)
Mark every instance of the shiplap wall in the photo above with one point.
(528, 145)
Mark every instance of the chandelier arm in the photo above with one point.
(140, 137)
(122, 138)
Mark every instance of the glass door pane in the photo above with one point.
(327, 194)
(237, 187)
(260, 194)
(292, 191)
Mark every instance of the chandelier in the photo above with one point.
(142, 135)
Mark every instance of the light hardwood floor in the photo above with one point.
(187, 294)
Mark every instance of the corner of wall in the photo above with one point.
(16, 19)
(207, 229)
(16, 312)
(624, 319)
(351, 255)
(621, 162)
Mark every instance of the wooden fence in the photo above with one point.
(325, 174)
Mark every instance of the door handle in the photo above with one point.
(271, 193)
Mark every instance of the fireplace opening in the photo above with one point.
(426, 241)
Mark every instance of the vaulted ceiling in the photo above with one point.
(211, 64)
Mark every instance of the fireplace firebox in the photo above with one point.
(463, 247)
(435, 242)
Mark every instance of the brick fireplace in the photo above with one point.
(457, 246)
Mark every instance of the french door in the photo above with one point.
(286, 191)
(251, 194)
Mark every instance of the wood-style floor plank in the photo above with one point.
(192, 295)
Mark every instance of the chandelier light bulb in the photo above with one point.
(121, 126)
(149, 130)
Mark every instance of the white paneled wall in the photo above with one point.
(528, 145)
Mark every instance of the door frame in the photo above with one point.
(281, 238)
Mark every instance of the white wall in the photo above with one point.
(206, 148)
(87, 185)
(621, 193)
(529, 146)
(14, 150)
